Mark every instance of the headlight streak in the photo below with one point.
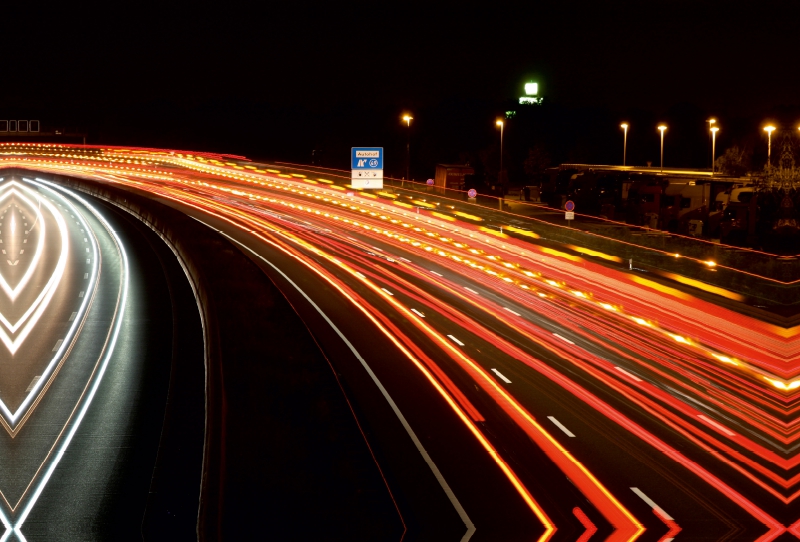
(14, 292)
(77, 322)
(98, 376)
(37, 308)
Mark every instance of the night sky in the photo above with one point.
(282, 79)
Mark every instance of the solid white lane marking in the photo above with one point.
(435, 273)
(715, 424)
(459, 343)
(620, 369)
(563, 338)
(387, 291)
(415, 311)
(512, 312)
(652, 504)
(420, 448)
(58, 344)
(501, 376)
(471, 290)
(561, 426)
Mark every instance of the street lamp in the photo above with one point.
(500, 123)
(714, 130)
(624, 126)
(769, 129)
(408, 118)
(711, 122)
(662, 128)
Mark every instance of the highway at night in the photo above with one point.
(507, 387)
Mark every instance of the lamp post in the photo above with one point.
(662, 128)
(408, 119)
(500, 123)
(711, 122)
(714, 130)
(624, 126)
(769, 129)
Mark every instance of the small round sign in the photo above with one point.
(569, 206)
(472, 193)
(430, 182)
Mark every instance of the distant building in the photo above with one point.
(452, 175)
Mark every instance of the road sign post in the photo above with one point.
(366, 167)
(569, 208)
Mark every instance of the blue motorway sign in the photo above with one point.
(367, 158)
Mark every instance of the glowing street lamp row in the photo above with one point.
(663, 128)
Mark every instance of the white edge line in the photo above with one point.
(442, 482)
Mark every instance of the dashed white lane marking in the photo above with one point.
(403, 260)
(652, 504)
(563, 338)
(33, 383)
(633, 376)
(515, 313)
(415, 311)
(360, 275)
(387, 291)
(561, 426)
(72, 316)
(459, 343)
(80, 294)
(86, 275)
(378, 249)
(435, 273)
(715, 424)
(501, 376)
(58, 344)
(471, 290)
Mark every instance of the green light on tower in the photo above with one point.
(531, 94)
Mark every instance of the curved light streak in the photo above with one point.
(98, 377)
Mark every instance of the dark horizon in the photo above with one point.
(278, 83)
